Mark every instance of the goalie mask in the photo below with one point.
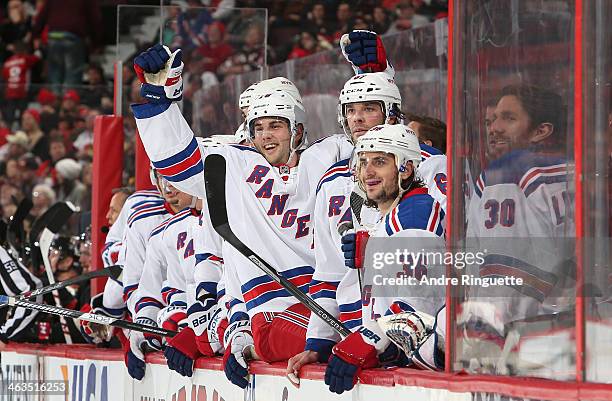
(374, 87)
(398, 140)
(283, 106)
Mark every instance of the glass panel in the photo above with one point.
(513, 166)
(217, 43)
(420, 72)
(597, 151)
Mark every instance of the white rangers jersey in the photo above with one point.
(270, 215)
(140, 224)
(523, 194)
(332, 208)
(417, 215)
(432, 170)
(114, 237)
(113, 289)
(16, 279)
(169, 250)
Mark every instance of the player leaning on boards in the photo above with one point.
(208, 309)
(386, 158)
(272, 198)
(365, 101)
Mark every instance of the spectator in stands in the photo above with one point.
(69, 23)
(191, 23)
(48, 109)
(57, 151)
(4, 131)
(9, 195)
(16, 76)
(70, 103)
(17, 145)
(240, 25)
(86, 179)
(344, 14)
(16, 28)
(68, 187)
(39, 142)
(96, 93)
(250, 57)
(215, 50)
(43, 196)
(12, 172)
(28, 166)
(317, 21)
(407, 18)
(307, 45)
(84, 141)
(381, 20)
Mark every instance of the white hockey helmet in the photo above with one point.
(266, 86)
(242, 134)
(281, 84)
(247, 96)
(217, 140)
(373, 87)
(396, 139)
(282, 105)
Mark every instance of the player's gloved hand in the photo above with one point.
(172, 317)
(159, 70)
(365, 50)
(348, 249)
(239, 347)
(349, 357)
(182, 349)
(210, 342)
(134, 356)
(95, 333)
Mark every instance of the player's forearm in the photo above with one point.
(171, 146)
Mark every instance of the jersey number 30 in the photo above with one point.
(500, 213)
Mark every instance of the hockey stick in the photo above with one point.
(58, 215)
(111, 271)
(15, 233)
(214, 178)
(89, 317)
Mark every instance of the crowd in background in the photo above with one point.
(51, 89)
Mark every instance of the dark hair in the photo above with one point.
(57, 137)
(124, 190)
(431, 129)
(541, 105)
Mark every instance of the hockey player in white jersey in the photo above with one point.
(386, 160)
(525, 193)
(270, 192)
(161, 297)
(110, 302)
(207, 339)
(140, 224)
(366, 101)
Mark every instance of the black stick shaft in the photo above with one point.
(214, 177)
(90, 317)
